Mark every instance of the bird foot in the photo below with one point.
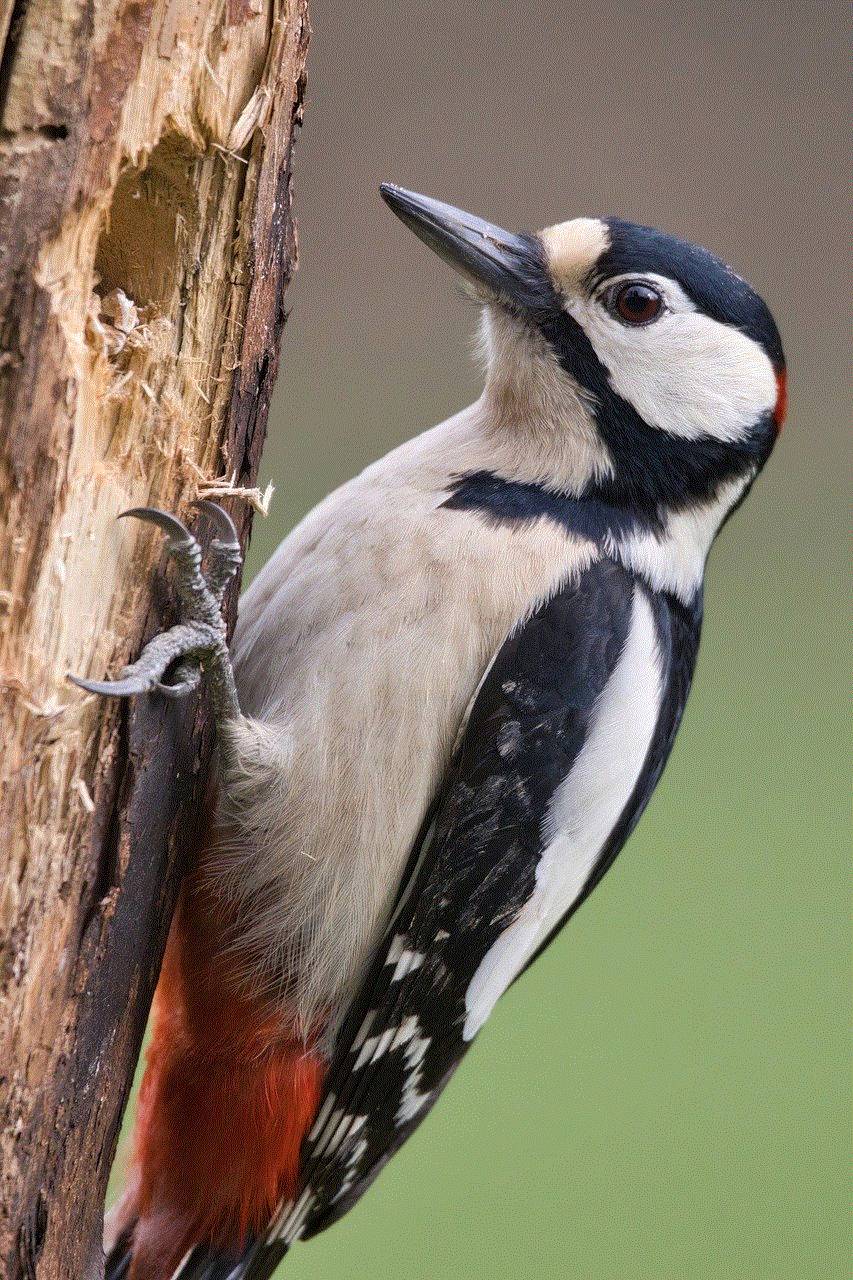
(198, 645)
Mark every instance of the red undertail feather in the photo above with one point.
(227, 1098)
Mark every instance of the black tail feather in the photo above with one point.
(117, 1264)
(258, 1261)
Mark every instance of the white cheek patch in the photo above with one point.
(583, 811)
(685, 373)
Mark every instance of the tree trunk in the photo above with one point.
(145, 244)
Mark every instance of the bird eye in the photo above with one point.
(635, 303)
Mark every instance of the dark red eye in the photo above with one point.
(635, 303)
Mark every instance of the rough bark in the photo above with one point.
(145, 245)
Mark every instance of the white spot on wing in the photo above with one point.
(412, 1104)
(292, 1225)
(396, 948)
(408, 961)
(322, 1116)
(367, 1023)
(374, 1047)
(412, 1100)
(404, 959)
(355, 1155)
(583, 810)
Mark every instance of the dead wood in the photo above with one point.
(146, 242)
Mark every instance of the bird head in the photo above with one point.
(661, 364)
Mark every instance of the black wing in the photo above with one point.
(472, 871)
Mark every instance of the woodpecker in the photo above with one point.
(449, 697)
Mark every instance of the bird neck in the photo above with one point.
(515, 470)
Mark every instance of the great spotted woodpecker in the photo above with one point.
(449, 697)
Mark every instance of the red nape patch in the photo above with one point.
(781, 398)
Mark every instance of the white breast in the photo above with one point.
(583, 810)
(357, 651)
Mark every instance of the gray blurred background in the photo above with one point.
(665, 1095)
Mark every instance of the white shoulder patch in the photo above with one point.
(583, 810)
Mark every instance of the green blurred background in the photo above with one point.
(666, 1094)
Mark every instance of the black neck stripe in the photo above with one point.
(511, 502)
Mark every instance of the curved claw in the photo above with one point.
(203, 636)
(114, 688)
(225, 528)
(187, 678)
(169, 524)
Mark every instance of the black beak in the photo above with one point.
(511, 266)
